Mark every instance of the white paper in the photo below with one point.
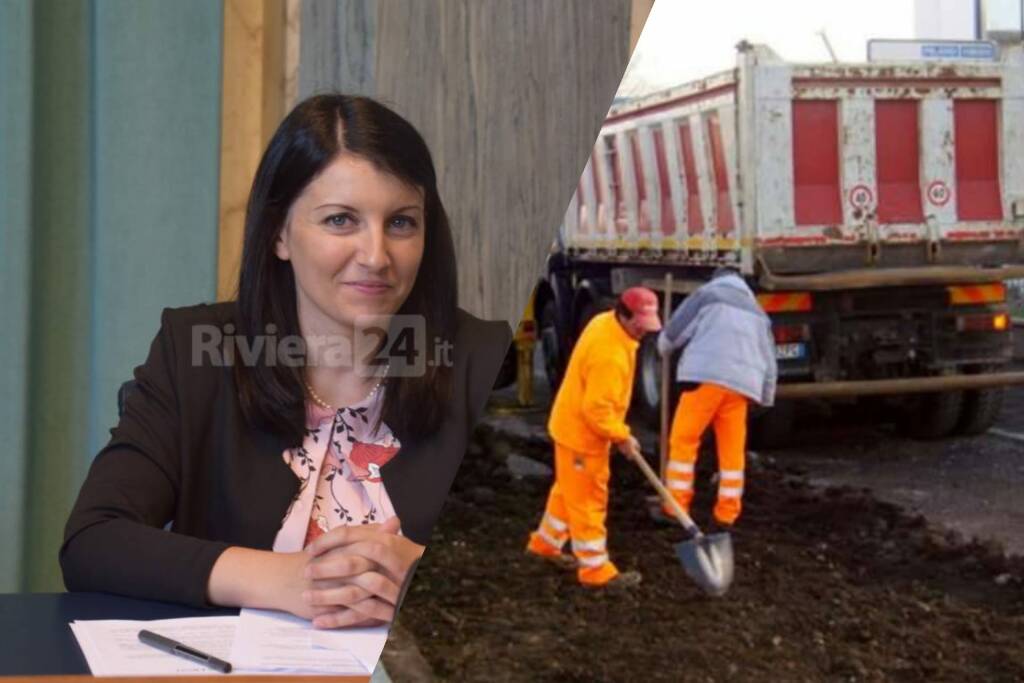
(276, 641)
(112, 647)
(365, 643)
(257, 642)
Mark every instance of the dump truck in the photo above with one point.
(876, 209)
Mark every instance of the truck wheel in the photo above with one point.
(774, 427)
(547, 327)
(980, 410)
(647, 382)
(932, 416)
(587, 312)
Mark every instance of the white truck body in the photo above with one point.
(876, 209)
(812, 168)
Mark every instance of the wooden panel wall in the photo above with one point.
(253, 103)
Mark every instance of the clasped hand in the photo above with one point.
(353, 575)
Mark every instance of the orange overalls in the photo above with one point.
(727, 411)
(588, 416)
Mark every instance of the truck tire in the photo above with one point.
(772, 428)
(587, 312)
(646, 403)
(980, 410)
(931, 416)
(551, 345)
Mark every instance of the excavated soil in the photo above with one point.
(831, 585)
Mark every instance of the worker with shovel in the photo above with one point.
(587, 418)
(728, 360)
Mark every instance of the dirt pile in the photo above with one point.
(831, 585)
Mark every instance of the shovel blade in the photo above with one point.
(708, 561)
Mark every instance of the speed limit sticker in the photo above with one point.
(861, 197)
(938, 193)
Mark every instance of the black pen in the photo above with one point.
(175, 648)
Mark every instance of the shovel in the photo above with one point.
(707, 558)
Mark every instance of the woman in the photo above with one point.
(299, 462)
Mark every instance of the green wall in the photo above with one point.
(109, 152)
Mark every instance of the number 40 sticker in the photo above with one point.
(861, 197)
(938, 193)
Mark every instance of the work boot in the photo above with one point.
(560, 560)
(621, 581)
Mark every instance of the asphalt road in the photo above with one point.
(970, 485)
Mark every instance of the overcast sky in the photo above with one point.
(687, 39)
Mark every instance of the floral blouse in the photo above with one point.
(338, 465)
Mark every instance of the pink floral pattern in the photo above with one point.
(338, 465)
(366, 460)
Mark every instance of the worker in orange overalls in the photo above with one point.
(728, 360)
(587, 418)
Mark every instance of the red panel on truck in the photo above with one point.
(694, 216)
(816, 162)
(638, 167)
(897, 150)
(977, 160)
(668, 216)
(643, 223)
(618, 207)
(598, 190)
(723, 204)
(599, 198)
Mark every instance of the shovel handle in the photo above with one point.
(677, 509)
(666, 380)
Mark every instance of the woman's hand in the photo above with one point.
(357, 574)
(350, 576)
(244, 577)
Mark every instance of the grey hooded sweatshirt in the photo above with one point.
(726, 339)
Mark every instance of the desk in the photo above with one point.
(35, 639)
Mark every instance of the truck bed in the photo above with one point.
(812, 168)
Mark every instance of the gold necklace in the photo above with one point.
(327, 406)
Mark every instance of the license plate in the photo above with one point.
(790, 351)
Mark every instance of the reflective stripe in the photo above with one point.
(555, 523)
(551, 540)
(598, 545)
(731, 475)
(730, 491)
(680, 485)
(684, 467)
(595, 561)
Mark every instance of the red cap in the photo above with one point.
(643, 304)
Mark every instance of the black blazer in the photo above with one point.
(183, 454)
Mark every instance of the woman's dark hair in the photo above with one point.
(309, 139)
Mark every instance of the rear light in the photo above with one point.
(788, 334)
(527, 331)
(999, 322)
(977, 294)
(785, 302)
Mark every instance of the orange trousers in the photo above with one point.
(727, 411)
(576, 510)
